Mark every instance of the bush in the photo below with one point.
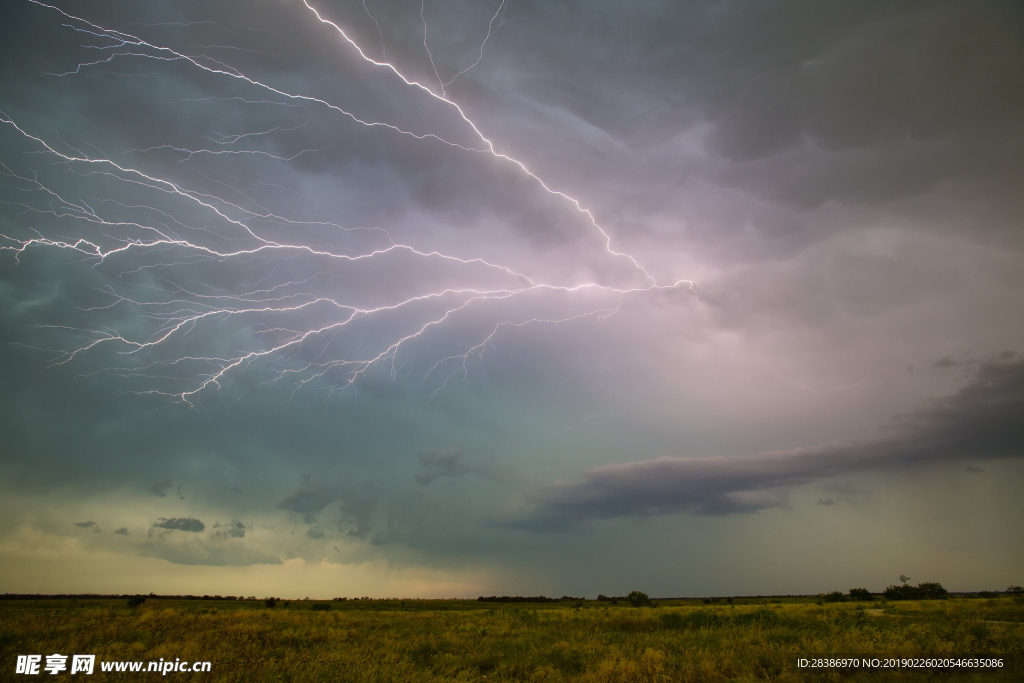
(136, 600)
(922, 591)
(321, 607)
(638, 599)
(862, 594)
(835, 596)
(932, 591)
(902, 592)
(270, 602)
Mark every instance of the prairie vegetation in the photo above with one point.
(419, 640)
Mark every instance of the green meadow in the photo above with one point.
(751, 639)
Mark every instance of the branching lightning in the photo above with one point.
(292, 331)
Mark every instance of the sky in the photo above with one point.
(447, 299)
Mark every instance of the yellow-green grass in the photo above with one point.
(468, 641)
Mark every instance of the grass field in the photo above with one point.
(679, 640)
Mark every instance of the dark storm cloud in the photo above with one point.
(755, 140)
(180, 524)
(443, 463)
(358, 507)
(981, 420)
(910, 111)
(160, 488)
(309, 500)
(123, 531)
(234, 529)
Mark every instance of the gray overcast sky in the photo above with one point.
(323, 298)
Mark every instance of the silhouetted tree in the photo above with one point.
(932, 591)
(638, 599)
(923, 591)
(860, 594)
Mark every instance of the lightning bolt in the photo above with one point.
(276, 313)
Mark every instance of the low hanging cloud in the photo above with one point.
(160, 488)
(197, 550)
(980, 421)
(235, 529)
(180, 524)
(309, 500)
(450, 462)
(446, 462)
(85, 525)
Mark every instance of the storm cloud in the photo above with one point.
(309, 500)
(443, 463)
(190, 524)
(647, 265)
(980, 421)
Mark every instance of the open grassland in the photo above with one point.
(469, 641)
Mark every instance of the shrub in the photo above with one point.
(835, 596)
(136, 600)
(901, 592)
(922, 591)
(270, 602)
(860, 594)
(638, 599)
(321, 607)
(932, 591)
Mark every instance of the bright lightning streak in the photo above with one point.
(490, 32)
(178, 311)
(490, 145)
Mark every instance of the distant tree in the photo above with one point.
(638, 599)
(923, 591)
(932, 591)
(1015, 590)
(860, 594)
(901, 592)
(835, 596)
(270, 602)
